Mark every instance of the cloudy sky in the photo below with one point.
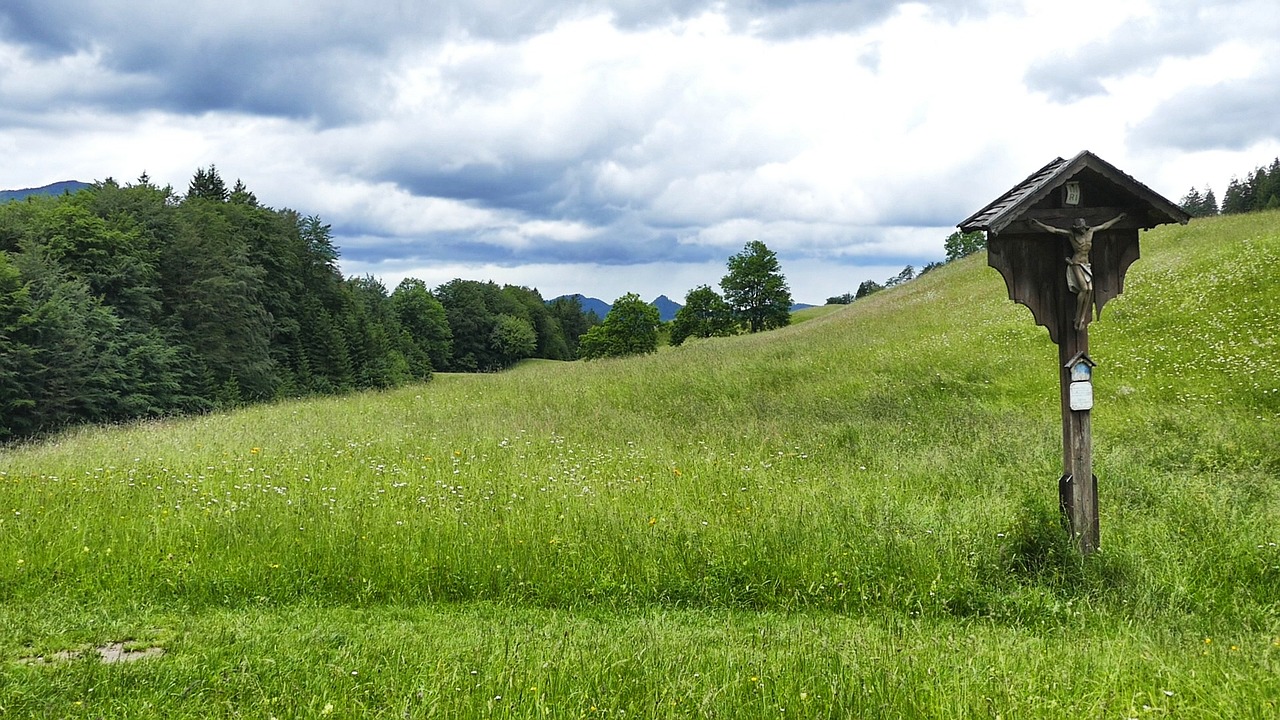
(604, 147)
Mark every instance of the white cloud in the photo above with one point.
(625, 142)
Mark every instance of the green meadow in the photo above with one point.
(855, 516)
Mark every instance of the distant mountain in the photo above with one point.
(595, 305)
(667, 307)
(58, 188)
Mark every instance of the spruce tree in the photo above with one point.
(1235, 200)
(1210, 206)
(1192, 203)
(208, 185)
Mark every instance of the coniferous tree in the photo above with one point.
(1256, 186)
(322, 307)
(908, 273)
(326, 362)
(574, 322)
(77, 370)
(214, 296)
(207, 184)
(17, 356)
(1268, 192)
(1210, 205)
(374, 335)
(1192, 203)
(110, 261)
(240, 195)
(1236, 199)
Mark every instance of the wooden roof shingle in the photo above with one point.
(1013, 204)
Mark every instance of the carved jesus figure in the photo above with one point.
(1079, 271)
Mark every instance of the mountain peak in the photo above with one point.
(667, 307)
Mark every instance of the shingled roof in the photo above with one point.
(1012, 205)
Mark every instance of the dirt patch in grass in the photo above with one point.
(110, 654)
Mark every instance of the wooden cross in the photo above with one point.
(1063, 240)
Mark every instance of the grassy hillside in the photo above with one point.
(852, 516)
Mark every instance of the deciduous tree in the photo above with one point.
(756, 289)
(705, 314)
(423, 318)
(959, 244)
(630, 328)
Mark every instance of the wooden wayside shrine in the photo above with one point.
(1063, 240)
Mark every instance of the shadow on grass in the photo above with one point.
(1040, 551)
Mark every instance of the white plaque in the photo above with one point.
(1080, 396)
(1073, 193)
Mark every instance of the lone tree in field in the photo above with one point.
(705, 314)
(630, 328)
(756, 289)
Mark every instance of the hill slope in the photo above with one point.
(58, 188)
(819, 514)
(941, 393)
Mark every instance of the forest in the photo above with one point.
(121, 302)
(1259, 190)
(126, 302)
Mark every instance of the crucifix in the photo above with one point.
(1078, 486)
(1063, 240)
(1079, 266)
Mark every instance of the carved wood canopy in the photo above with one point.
(1033, 262)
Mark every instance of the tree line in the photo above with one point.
(756, 298)
(123, 302)
(1259, 190)
(957, 245)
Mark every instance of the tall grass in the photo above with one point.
(875, 486)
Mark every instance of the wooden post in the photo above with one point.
(1078, 487)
